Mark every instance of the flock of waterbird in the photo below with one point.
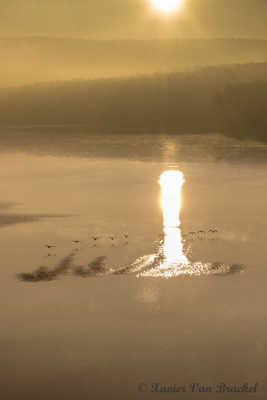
(201, 235)
(97, 241)
(97, 266)
(115, 240)
(123, 239)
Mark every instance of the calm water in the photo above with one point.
(95, 316)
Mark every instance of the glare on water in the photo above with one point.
(171, 192)
(171, 254)
(171, 183)
(171, 260)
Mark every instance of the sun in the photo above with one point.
(167, 6)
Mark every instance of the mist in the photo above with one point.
(41, 59)
(224, 99)
(103, 295)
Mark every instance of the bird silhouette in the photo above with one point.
(201, 234)
(214, 230)
(95, 238)
(212, 233)
(50, 255)
(192, 235)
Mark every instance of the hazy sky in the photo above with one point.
(106, 19)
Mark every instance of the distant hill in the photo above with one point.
(226, 99)
(40, 59)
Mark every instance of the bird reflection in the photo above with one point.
(170, 259)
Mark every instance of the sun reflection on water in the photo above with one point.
(171, 201)
(171, 183)
(171, 259)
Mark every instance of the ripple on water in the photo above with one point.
(191, 269)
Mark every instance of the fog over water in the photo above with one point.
(133, 176)
(81, 312)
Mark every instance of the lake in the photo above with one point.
(100, 297)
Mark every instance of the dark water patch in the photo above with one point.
(13, 219)
(7, 219)
(40, 274)
(94, 268)
(153, 265)
(134, 145)
(47, 274)
(230, 270)
(5, 205)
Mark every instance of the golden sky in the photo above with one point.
(107, 19)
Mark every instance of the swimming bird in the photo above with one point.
(192, 235)
(201, 234)
(50, 255)
(50, 246)
(76, 241)
(212, 233)
(113, 241)
(214, 230)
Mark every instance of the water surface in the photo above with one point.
(90, 318)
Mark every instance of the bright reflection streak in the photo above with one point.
(172, 260)
(172, 249)
(171, 187)
(171, 200)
